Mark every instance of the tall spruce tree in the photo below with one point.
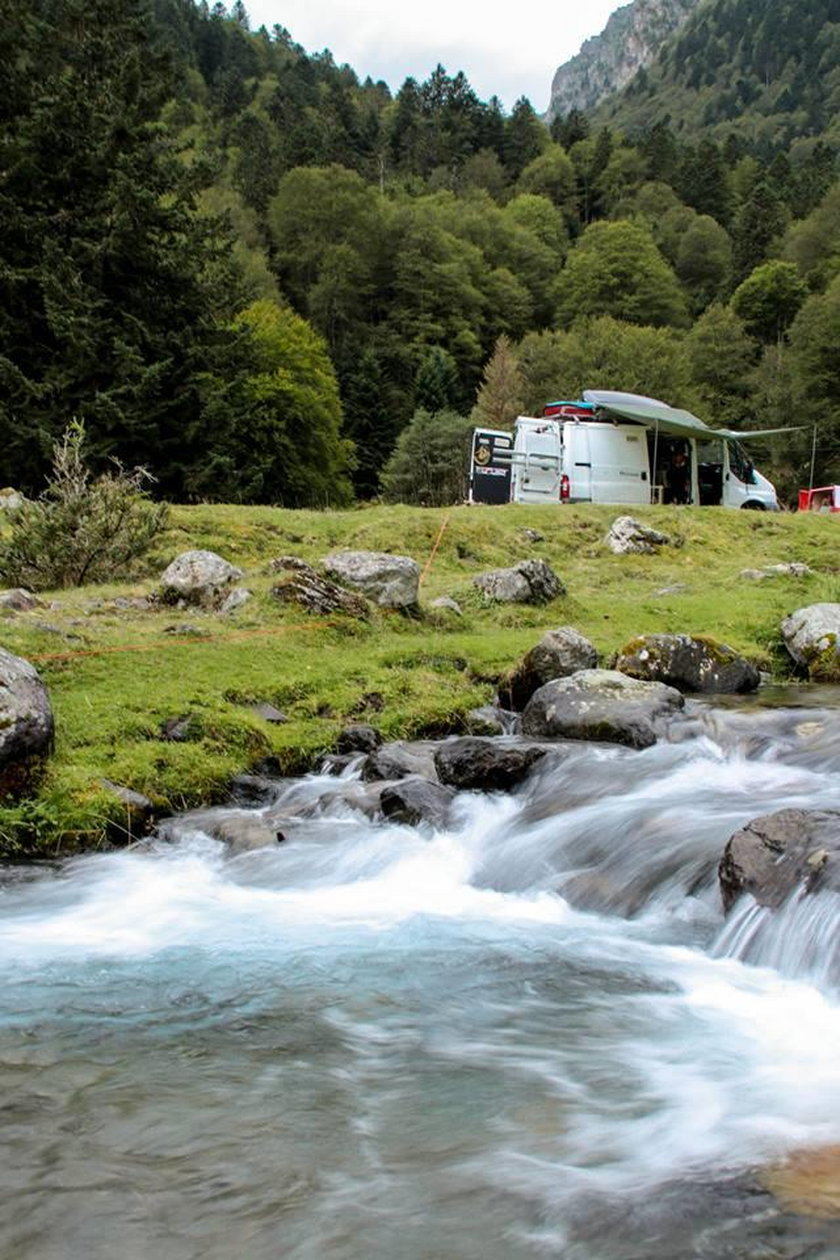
(113, 290)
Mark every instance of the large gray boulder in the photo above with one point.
(602, 705)
(390, 581)
(529, 582)
(559, 653)
(484, 765)
(628, 536)
(690, 663)
(26, 724)
(812, 637)
(198, 577)
(774, 855)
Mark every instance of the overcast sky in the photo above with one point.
(509, 50)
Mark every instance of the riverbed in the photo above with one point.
(532, 1034)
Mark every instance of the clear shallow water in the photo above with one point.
(531, 1035)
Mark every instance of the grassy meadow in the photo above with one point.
(117, 672)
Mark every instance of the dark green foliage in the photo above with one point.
(769, 300)
(112, 287)
(429, 464)
(617, 268)
(82, 529)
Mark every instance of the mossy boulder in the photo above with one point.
(603, 705)
(689, 663)
(812, 637)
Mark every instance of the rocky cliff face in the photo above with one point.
(631, 39)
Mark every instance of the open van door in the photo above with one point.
(490, 470)
(537, 461)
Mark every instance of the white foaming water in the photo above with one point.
(522, 1006)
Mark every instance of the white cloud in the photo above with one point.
(509, 51)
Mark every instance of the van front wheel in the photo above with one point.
(752, 505)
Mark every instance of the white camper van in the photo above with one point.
(630, 450)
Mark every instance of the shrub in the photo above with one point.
(81, 529)
(430, 463)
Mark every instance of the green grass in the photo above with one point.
(116, 673)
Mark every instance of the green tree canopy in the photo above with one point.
(275, 433)
(769, 299)
(616, 267)
(603, 353)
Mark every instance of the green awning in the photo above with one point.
(671, 420)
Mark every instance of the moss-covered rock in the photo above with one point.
(812, 637)
(688, 662)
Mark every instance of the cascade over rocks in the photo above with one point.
(302, 585)
(390, 581)
(198, 577)
(601, 705)
(415, 800)
(484, 765)
(777, 853)
(812, 637)
(529, 582)
(559, 653)
(688, 663)
(628, 536)
(26, 724)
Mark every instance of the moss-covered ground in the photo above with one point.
(117, 673)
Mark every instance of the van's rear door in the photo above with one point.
(619, 463)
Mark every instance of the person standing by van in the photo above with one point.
(679, 477)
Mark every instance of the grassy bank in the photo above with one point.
(118, 672)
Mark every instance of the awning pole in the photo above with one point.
(653, 470)
(813, 457)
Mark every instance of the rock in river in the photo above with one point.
(602, 705)
(559, 653)
(484, 765)
(689, 663)
(777, 853)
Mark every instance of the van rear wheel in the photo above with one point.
(752, 505)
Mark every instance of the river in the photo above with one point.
(532, 1035)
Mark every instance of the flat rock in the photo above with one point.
(627, 536)
(601, 705)
(26, 724)
(240, 831)
(812, 637)
(484, 765)
(415, 800)
(693, 664)
(791, 569)
(528, 582)
(445, 604)
(389, 581)
(400, 759)
(559, 653)
(777, 853)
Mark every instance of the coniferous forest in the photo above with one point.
(266, 281)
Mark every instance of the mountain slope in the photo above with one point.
(631, 40)
(767, 70)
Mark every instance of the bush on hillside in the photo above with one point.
(429, 465)
(81, 529)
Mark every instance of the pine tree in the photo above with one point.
(501, 392)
